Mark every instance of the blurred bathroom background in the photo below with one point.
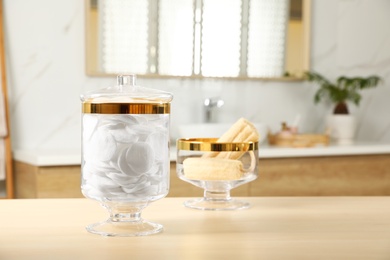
(46, 64)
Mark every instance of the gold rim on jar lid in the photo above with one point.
(211, 145)
(125, 108)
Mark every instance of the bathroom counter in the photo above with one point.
(355, 170)
(73, 157)
(358, 148)
(272, 228)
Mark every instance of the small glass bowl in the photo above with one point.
(217, 168)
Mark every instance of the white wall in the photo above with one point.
(46, 73)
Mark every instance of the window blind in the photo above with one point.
(194, 37)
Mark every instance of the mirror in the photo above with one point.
(251, 39)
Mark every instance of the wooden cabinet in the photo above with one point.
(362, 175)
(47, 182)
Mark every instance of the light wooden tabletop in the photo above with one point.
(273, 228)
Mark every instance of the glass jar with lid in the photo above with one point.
(125, 154)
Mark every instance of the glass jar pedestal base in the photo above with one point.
(125, 221)
(213, 200)
(124, 228)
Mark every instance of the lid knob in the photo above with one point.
(126, 80)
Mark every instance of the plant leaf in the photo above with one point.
(346, 88)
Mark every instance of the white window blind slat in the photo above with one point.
(124, 36)
(267, 37)
(176, 37)
(221, 38)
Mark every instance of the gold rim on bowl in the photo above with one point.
(211, 145)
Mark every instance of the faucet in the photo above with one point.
(209, 104)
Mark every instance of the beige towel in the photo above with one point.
(3, 133)
(2, 159)
(3, 121)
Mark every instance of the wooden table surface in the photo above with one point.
(273, 228)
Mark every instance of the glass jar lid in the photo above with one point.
(126, 98)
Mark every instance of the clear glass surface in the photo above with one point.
(217, 173)
(125, 158)
(125, 166)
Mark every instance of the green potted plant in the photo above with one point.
(343, 90)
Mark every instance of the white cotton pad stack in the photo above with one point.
(125, 156)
